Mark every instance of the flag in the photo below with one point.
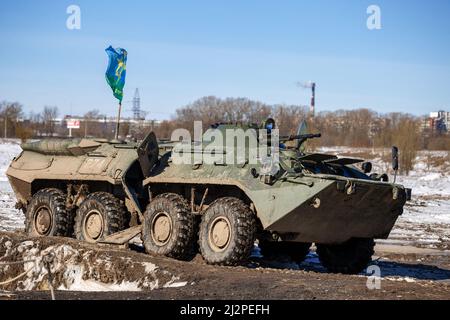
(117, 70)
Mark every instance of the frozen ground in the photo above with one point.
(425, 222)
(10, 218)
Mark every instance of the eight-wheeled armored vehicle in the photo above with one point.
(217, 196)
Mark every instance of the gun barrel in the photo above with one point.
(301, 137)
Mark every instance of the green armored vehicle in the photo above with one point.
(82, 187)
(217, 194)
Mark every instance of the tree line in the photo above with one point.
(14, 123)
(361, 128)
(354, 128)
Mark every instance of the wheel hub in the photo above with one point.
(43, 221)
(93, 225)
(161, 228)
(220, 234)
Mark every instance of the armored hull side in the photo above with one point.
(42, 162)
(308, 208)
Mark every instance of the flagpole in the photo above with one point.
(118, 120)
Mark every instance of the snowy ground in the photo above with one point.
(10, 218)
(425, 222)
(80, 268)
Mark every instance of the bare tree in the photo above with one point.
(49, 116)
(92, 125)
(10, 112)
(406, 137)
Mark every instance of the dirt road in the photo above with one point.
(127, 274)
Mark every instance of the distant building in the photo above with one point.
(437, 122)
(142, 122)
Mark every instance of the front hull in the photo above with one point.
(335, 216)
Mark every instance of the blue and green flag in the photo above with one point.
(117, 70)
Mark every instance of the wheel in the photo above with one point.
(169, 227)
(47, 215)
(351, 257)
(296, 251)
(100, 215)
(227, 232)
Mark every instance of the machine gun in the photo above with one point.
(301, 137)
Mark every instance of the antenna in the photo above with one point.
(310, 85)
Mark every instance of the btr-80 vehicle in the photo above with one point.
(209, 195)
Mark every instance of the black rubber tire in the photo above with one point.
(296, 251)
(242, 234)
(351, 257)
(55, 202)
(113, 212)
(181, 239)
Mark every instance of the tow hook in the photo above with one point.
(19, 205)
(350, 187)
(395, 193)
(408, 194)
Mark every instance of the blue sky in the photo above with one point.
(179, 51)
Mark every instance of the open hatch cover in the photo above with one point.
(329, 159)
(343, 161)
(317, 157)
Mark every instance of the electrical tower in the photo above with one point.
(137, 114)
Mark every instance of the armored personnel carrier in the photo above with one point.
(212, 195)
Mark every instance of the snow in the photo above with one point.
(176, 284)
(431, 177)
(85, 270)
(8, 150)
(10, 218)
(75, 282)
(149, 267)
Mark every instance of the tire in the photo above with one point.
(351, 257)
(99, 215)
(47, 215)
(227, 232)
(169, 227)
(296, 251)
